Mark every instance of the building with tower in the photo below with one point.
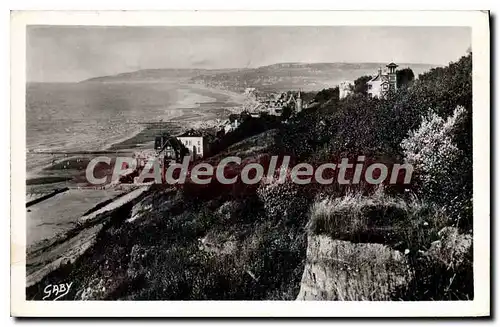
(383, 82)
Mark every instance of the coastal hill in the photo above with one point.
(163, 74)
(276, 77)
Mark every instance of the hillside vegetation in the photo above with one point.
(249, 241)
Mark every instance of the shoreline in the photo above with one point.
(195, 108)
(235, 96)
(68, 171)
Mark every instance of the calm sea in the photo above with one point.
(92, 116)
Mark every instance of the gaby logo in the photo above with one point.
(231, 170)
(56, 291)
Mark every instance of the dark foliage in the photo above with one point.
(327, 94)
(249, 127)
(404, 77)
(287, 112)
(360, 85)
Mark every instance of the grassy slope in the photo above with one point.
(158, 255)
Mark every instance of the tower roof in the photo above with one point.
(392, 65)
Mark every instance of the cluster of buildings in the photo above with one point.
(195, 144)
(378, 87)
(274, 103)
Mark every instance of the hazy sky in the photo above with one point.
(67, 53)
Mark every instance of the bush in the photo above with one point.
(438, 161)
(360, 84)
(359, 125)
(405, 77)
(286, 202)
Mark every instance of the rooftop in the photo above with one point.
(191, 133)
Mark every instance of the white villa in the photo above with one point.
(382, 83)
(194, 142)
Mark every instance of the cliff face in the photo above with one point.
(346, 271)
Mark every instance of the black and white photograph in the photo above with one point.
(252, 162)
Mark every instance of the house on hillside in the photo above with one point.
(169, 149)
(383, 82)
(195, 142)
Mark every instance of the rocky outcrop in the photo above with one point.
(346, 271)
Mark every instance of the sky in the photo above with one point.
(75, 53)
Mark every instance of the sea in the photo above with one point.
(72, 117)
(93, 116)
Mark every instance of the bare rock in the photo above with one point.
(346, 271)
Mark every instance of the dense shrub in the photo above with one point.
(436, 158)
(444, 271)
(405, 77)
(327, 94)
(286, 202)
(360, 84)
(376, 127)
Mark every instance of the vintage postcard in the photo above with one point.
(250, 163)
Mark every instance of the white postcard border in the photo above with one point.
(479, 23)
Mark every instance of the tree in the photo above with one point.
(327, 94)
(360, 84)
(404, 77)
(287, 112)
